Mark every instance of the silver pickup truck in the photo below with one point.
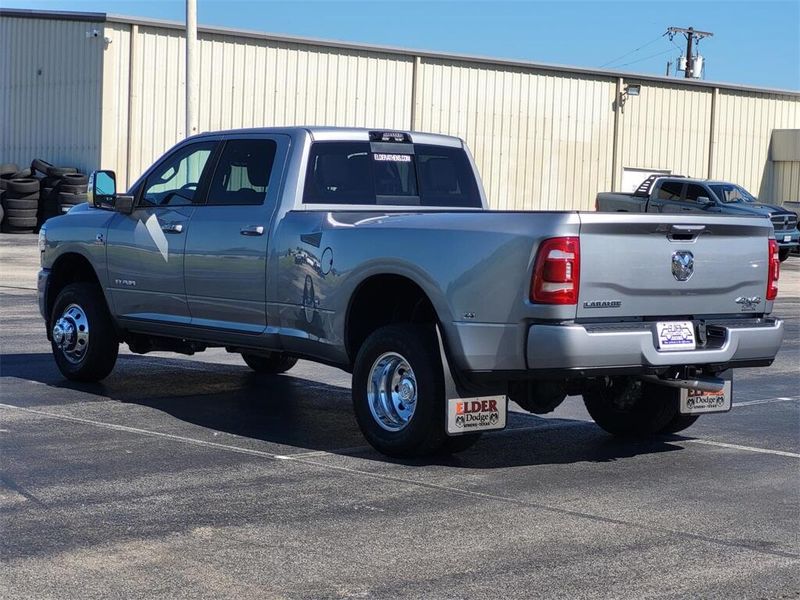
(374, 251)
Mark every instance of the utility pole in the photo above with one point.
(191, 67)
(691, 35)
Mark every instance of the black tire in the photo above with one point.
(23, 174)
(8, 169)
(2, 213)
(49, 182)
(27, 223)
(71, 189)
(269, 365)
(21, 213)
(3, 184)
(40, 165)
(60, 171)
(33, 196)
(678, 423)
(628, 407)
(8, 228)
(75, 179)
(23, 186)
(71, 199)
(98, 360)
(20, 203)
(424, 432)
(783, 253)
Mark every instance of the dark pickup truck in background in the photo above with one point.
(675, 194)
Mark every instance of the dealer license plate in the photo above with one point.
(675, 335)
(467, 415)
(694, 402)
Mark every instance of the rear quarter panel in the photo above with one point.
(474, 266)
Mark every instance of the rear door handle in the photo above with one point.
(252, 230)
(172, 227)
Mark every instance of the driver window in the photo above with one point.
(693, 192)
(176, 179)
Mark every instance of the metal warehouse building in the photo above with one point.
(91, 90)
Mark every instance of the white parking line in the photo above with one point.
(765, 401)
(745, 448)
(424, 484)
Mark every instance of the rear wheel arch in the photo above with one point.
(385, 299)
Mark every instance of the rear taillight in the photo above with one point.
(557, 271)
(774, 271)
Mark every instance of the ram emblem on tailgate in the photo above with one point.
(682, 265)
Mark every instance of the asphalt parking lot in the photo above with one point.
(192, 477)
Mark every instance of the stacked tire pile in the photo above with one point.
(61, 188)
(28, 197)
(19, 198)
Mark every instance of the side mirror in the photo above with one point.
(704, 200)
(103, 190)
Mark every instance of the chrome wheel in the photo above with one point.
(392, 391)
(71, 333)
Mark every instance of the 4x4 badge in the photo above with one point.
(682, 265)
(748, 303)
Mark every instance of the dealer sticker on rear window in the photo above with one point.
(465, 415)
(675, 335)
(393, 157)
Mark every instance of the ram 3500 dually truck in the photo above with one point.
(674, 194)
(374, 251)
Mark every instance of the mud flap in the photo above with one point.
(469, 415)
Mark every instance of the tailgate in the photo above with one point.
(672, 265)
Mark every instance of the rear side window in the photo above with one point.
(351, 173)
(670, 190)
(242, 172)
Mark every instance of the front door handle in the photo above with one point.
(172, 227)
(252, 230)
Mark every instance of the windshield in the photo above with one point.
(728, 193)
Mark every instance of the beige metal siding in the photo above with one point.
(257, 83)
(666, 127)
(541, 141)
(114, 132)
(50, 81)
(744, 126)
(781, 182)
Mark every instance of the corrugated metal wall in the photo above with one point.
(782, 182)
(666, 127)
(50, 80)
(253, 83)
(542, 138)
(743, 130)
(541, 141)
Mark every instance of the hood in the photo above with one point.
(755, 208)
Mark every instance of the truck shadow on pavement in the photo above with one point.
(283, 410)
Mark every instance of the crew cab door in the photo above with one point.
(145, 250)
(227, 245)
(666, 198)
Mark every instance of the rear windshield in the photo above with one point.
(401, 174)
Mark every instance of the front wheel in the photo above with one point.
(783, 253)
(269, 365)
(399, 394)
(628, 407)
(84, 342)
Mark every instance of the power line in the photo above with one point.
(633, 62)
(634, 50)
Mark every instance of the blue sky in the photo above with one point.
(755, 42)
